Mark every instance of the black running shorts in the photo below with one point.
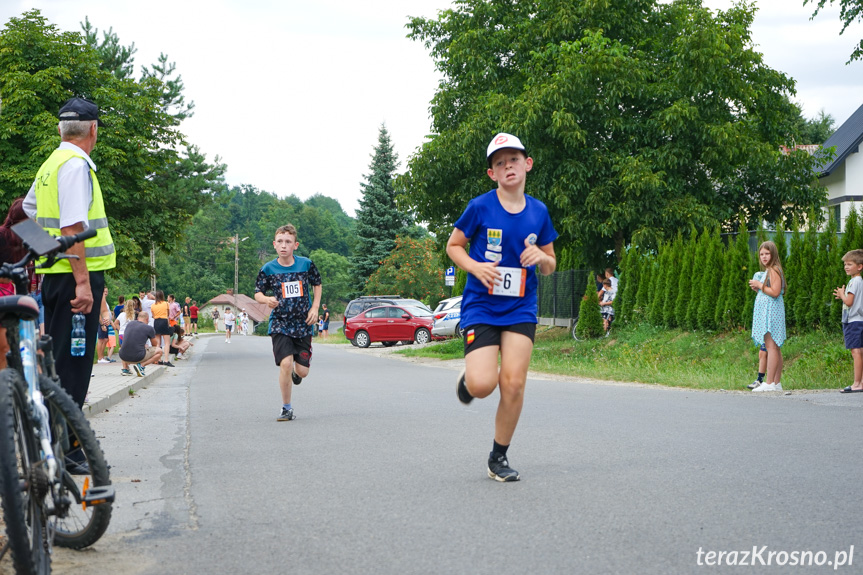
(483, 335)
(298, 347)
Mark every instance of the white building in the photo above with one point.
(843, 176)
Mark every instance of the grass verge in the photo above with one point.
(700, 360)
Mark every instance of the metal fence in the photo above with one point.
(559, 296)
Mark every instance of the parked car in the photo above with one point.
(447, 318)
(390, 324)
(363, 303)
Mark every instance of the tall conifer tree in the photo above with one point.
(684, 282)
(710, 282)
(379, 220)
(672, 283)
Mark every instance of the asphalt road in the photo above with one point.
(383, 472)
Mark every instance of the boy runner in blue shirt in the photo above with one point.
(511, 235)
(293, 281)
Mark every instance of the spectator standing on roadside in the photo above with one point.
(325, 319)
(768, 317)
(186, 323)
(105, 320)
(147, 304)
(193, 311)
(511, 236)
(606, 305)
(161, 326)
(174, 311)
(216, 320)
(852, 315)
(609, 274)
(121, 305)
(66, 199)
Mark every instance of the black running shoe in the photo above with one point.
(296, 378)
(499, 469)
(286, 415)
(464, 395)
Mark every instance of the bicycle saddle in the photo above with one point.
(22, 306)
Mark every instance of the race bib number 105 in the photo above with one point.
(292, 289)
(511, 284)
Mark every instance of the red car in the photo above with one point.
(390, 324)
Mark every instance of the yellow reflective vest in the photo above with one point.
(99, 250)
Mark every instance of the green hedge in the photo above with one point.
(699, 282)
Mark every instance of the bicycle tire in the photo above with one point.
(82, 525)
(23, 484)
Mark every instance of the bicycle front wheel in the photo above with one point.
(75, 443)
(23, 480)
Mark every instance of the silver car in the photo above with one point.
(447, 316)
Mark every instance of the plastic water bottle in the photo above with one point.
(79, 337)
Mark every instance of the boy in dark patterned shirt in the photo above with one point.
(295, 284)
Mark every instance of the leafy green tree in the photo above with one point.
(410, 272)
(589, 318)
(642, 117)
(379, 220)
(849, 12)
(152, 182)
(336, 279)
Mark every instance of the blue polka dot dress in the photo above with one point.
(768, 316)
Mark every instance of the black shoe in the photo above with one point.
(167, 364)
(296, 378)
(286, 415)
(464, 395)
(499, 469)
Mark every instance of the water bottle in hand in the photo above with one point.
(79, 337)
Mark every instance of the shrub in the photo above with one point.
(589, 319)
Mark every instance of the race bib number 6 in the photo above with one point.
(511, 283)
(292, 289)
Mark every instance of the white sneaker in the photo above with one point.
(754, 384)
(767, 387)
(104, 360)
(777, 386)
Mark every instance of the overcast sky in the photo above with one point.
(291, 94)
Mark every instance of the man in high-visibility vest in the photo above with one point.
(66, 199)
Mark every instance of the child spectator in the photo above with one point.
(768, 317)
(852, 315)
(606, 309)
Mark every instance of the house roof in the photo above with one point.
(846, 139)
(257, 311)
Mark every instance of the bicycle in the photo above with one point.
(50, 459)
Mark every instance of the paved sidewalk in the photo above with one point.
(108, 387)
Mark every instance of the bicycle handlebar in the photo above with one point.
(39, 243)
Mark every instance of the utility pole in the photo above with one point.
(153, 266)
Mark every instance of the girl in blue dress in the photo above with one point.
(768, 318)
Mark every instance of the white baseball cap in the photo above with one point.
(502, 141)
